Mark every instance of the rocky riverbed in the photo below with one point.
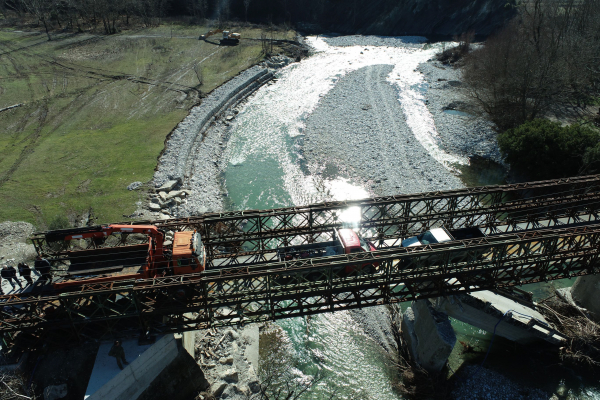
(362, 128)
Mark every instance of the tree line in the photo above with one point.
(79, 15)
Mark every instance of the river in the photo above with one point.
(268, 167)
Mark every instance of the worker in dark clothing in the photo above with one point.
(118, 352)
(25, 272)
(9, 273)
(43, 267)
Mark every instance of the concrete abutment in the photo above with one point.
(428, 335)
(167, 369)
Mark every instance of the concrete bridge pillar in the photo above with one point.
(586, 293)
(428, 335)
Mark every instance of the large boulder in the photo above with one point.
(134, 185)
(230, 375)
(168, 186)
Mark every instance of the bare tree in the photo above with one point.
(41, 10)
(542, 62)
(246, 7)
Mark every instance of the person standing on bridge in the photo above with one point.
(43, 267)
(25, 272)
(118, 352)
(9, 273)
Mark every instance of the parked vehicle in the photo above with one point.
(441, 235)
(347, 241)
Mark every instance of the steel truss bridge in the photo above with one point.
(535, 231)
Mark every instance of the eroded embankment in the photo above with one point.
(191, 155)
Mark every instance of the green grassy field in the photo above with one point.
(96, 112)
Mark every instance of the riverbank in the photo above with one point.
(193, 150)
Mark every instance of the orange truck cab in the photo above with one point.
(188, 254)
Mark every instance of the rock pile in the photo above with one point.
(277, 62)
(165, 202)
(229, 360)
(176, 161)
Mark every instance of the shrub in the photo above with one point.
(454, 54)
(542, 149)
(59, 222)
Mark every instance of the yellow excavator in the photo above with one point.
(228, 39)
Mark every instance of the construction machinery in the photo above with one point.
(92, 258)
(228, 39)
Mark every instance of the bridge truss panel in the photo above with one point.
(244, 294)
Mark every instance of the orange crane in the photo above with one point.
(185, 255)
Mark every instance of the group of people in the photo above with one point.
(9, 273)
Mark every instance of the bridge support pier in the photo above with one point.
(428, 335)
(585, 293)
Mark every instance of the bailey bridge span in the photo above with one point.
(536, 231)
